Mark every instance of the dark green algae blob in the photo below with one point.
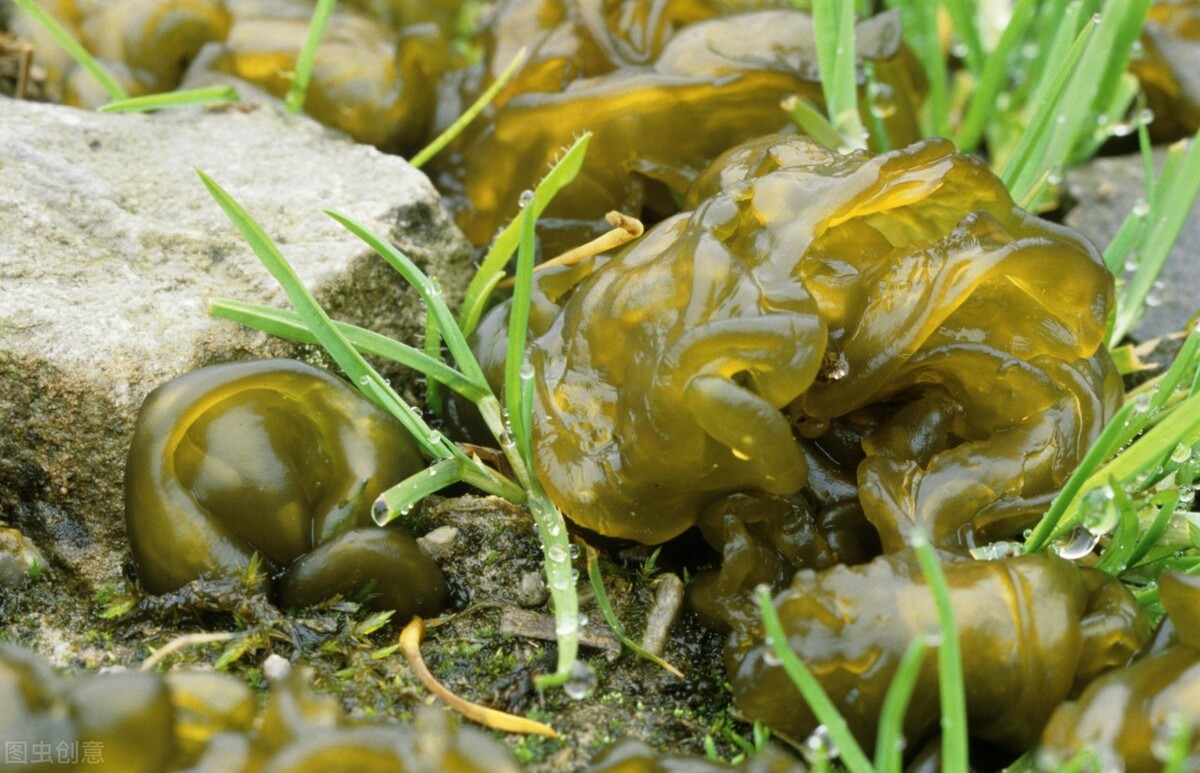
(277, 458)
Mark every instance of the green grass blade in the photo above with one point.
(950, 674)
(1032, 161)
(203, 96)
(610, 617)
(919, 23)
(1116, 557)
(889, 741)
(814, 695)
(445, 138)
(516, 369)
(400, 499)
(1159, 525)
(833, 25)
(74, 48)
(560, 577)
(322, 327)
(289, 325)
(812, 122)
(430, 291)
(491, 270)
(992, 79)
(1174, 195)
(962, 15)
(433, 349)
(298, 90)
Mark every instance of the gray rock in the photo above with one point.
(111, 248)
(439, 543)
(20, 560)
(1106, 190)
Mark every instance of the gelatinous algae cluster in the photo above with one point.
(204, 721)
(279, 460)
(375, 74)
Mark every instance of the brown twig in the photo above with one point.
(410, 645)
(625, 229)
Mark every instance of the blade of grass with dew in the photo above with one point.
(445, 138)
(432, 345)
(288, 324)
(204, 96)
(814, 695)
(983, 103)
(74, 48)
(1130, 421)
(833, 27)
(919, 25)
(322, 327)
(516, 369)
(400, 499)
(1124, 541)
(1174, 194)
(950, 674)
(298, 90)
(491, 270)
(1071, 115)
(556, 547)
(889, 740)
(593, 570)
(962, 16)
(1031, 162)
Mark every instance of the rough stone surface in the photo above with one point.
(1106, 190)
(111, 248)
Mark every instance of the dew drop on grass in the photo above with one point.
(1100, 512)
(557, 553)
(526, 198)
(820, 745)
(364, 379)
(1077, 544)
(434, 437)
(526, 371)
(507, 440)
(582, 681)
(1182, 453)
(435, 287)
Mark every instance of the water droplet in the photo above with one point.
(1141, 209)
(526, 371)
(574, 551)
(526, 198)
(1145, 116)
(554, 530)
(819, 745)
(1077, 544)
(1182, 453)
(560, 583)
(566, 626)
(770, 658)
(1141, 403)
(364, 379)
(431, 472)
(557, 553)
(582, 681)
(434, 437)
(379, 512)
(882, 100)
(583, 621)
(406, 508)
(1137, 50)
(1187, 495)
(507, 440)
(435, 286)
(1100, 514)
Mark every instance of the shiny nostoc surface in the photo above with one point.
(206, 722)
(827, 324)
(278, 458)
(665, 86)
(1026, 626)
(1129, 717)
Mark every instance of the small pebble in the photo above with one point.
(668, 601)
(276, 667)
(440, 542)
(532, 591)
